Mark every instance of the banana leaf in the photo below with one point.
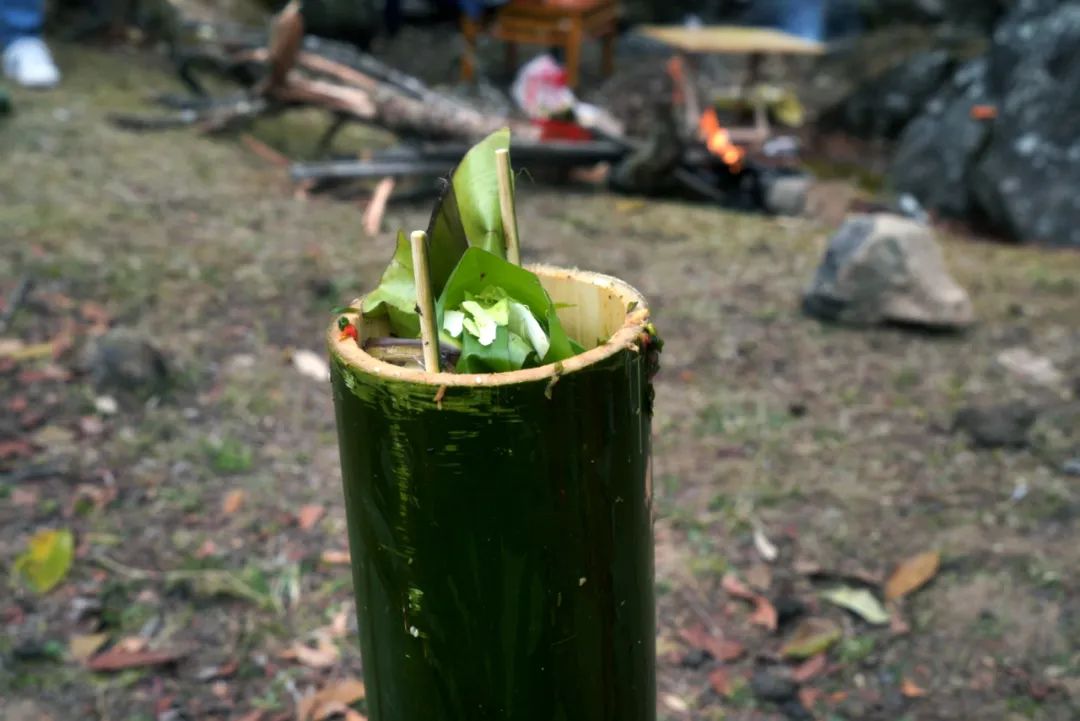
(396, 295)
(480, 271)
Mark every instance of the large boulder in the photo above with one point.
(971, 13)
(882, 106)
(1018, 166)
(886, 268)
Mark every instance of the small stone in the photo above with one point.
(105, 405)
(882, 268)
(1000, 426)
(772, 686)
(695, 658)
(126, 360)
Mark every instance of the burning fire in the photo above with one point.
(718, 140)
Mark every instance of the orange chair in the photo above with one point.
(565, 23)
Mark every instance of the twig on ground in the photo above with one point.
(376, 207)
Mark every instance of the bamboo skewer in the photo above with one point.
(425, 304)
(506, 205)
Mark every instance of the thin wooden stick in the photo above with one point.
(424, 302)
(506, 205)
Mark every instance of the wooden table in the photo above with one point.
(754, 43)
(565, 23)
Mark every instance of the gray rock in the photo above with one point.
(1000, 426)
(786, 194)
(125, 360)
(886, 268)
(883, 105)
(1017, 171)
(934, 157)
(773, 686)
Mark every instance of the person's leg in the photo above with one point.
(20, 18)
(26, 59)
(805, 18)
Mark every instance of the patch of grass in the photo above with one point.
(853, 650)
(228, 455)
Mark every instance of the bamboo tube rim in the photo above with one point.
(625, 337)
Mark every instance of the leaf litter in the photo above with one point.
(912, 574)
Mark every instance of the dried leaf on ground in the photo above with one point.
(860, 602)
(339, 625)
(765, 614)
(811, 637)
(256, 715)
(119, 659)
(232, 501)
(15, 449)
(737, 588)
(764, 546)
(83, 647)
(910, 689)
(719, 648)
(308, 516)
(809, 697)
(47, 559)
(335, 557)
(912, 574)
(810, 668)
(720, 682)
(346, 691)
(323, 654)
(311, 365)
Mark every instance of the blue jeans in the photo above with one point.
(805, 18)
(19, 18)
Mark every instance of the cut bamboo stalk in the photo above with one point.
(506, 205)
(500, 524)
(429, 334)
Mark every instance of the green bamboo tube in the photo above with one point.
(501, 537)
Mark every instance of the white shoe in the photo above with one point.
(29, 63)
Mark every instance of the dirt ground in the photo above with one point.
(196, 512)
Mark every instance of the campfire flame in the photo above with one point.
(718, 140)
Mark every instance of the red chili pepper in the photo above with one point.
(349, 331)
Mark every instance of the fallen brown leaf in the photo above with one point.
(812, 636)
(719, 648)
(323, 655)
(117, 659)
(720, 682)
(838, 697)
(344, 692)
(15, 449)
(232, 501)
(910, 689)
(339, 625)
(737, 588)
(206, 549)
(335, 557)
(809, 668)
(83, 647)
(308, 516)
(809, 696)
(764, 614)
(912, 574)
(18, 404)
